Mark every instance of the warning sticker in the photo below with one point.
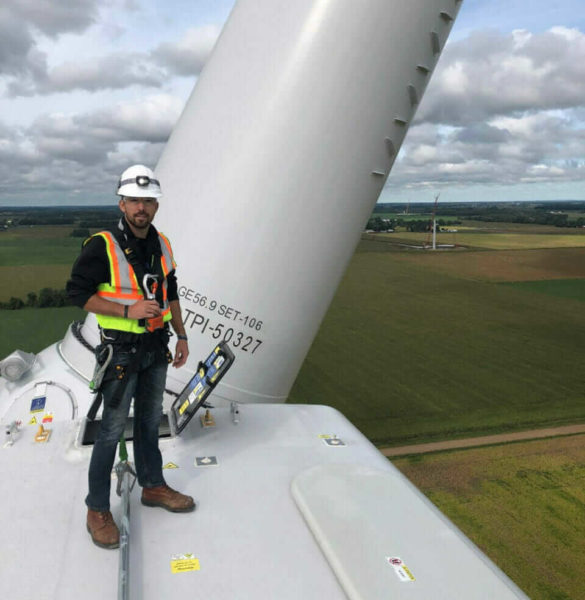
(402, 571)
(171, 465)
(180, 563)
(324, 436)
(48, 418)
(33, 421)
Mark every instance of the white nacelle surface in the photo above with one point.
(248, 535)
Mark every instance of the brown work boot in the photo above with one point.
(166, 497)
(104, 532)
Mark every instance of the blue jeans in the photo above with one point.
(146, 385)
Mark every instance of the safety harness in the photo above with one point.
(138, 343)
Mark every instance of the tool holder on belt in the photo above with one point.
(137, 344)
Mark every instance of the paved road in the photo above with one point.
(484, 440)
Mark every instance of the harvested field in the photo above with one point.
(523, 504)
(496, 241)
(503, 265)
(32, 279)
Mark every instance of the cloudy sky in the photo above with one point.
(90, 86)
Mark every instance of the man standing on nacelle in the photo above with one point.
(127, 278)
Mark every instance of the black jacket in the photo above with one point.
(92, 266)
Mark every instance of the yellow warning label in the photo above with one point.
(181, 563)
(184, 407)
(33, 421)
(408, 572)
(324, 436)
(170, 465)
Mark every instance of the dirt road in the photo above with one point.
(484, 440)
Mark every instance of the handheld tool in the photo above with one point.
(150, 285)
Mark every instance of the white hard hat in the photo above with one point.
(138, 181)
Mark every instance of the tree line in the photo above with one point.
(379, 224)
(46, 298)
(102, 217)
(549, 213)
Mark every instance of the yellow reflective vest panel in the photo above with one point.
(123, 287)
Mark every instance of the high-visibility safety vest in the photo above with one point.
(124, 288)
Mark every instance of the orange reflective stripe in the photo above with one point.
(122, 296)
(165, 267)
(114, 265)
(168, 246)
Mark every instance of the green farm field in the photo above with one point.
(32, 329)
(33, 258)
(39, 245)
(501, 266)
(563, 288)
(411, 352)
(45, 252)
(523, 504)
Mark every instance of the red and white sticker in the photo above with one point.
(402, 571)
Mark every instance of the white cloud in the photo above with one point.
(54, 17)
(66, 151)
(189, 54)
(490, 74)
(20, 24)
(25, 67)
(119, 70)
(86, 148)
(502, 109)
(543, 146)
(149, 120)
(17, 48)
